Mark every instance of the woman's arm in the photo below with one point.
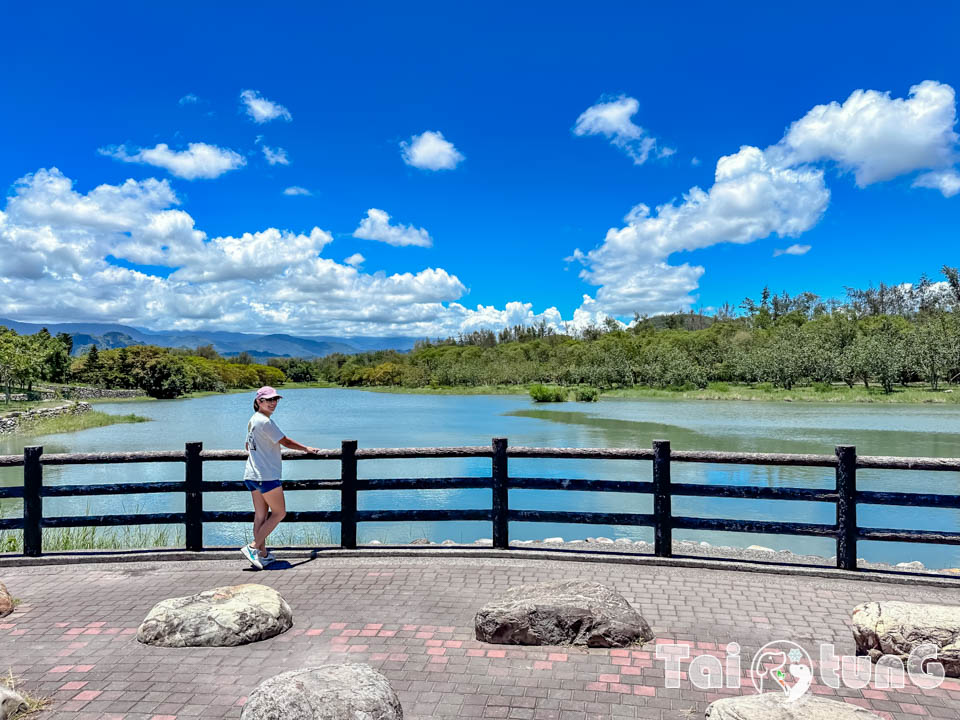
(294, 445)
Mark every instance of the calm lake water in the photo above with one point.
(324, 417)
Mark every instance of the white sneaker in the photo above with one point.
(253, 556)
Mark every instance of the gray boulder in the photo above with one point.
(10, 703)
(568, 612)
(896, 628)
(6, 601)
(328, 692)
(773, 706)
(221, 617)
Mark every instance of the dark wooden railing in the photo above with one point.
(844, 495)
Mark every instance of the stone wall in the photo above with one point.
(10, 422)
(33, 395)
(92, 393)
(75, 393)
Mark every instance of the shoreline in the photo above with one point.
(734, 393)
(719, 392)
(691, 548)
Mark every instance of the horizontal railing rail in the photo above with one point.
(844, 494)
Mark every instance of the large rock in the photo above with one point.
(896, 628)
(773, 706)
(6, 601)
(569, 612)
(225, 616)
(328, 692)
(10, 703)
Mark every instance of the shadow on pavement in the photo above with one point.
(283, 564)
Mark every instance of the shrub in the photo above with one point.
(587, 394)
(542, 393)
(718, 387)
(821, 387)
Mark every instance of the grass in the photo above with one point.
(91, 538)
(34, 703)
(548, 393)
(21, 406)
(818, 392)
(208, 393)
(763, 392)
(290, 537)
(447, 389)
(74, 423)
(304, 385)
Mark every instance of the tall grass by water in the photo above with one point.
(73, 423)
(91, 538)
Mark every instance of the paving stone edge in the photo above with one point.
(177, 555)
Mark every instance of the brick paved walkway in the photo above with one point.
(72, 637)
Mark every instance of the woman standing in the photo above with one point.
(262, 474)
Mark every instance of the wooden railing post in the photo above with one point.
(193, 505)
(501, 495)
(32, 501)
(348, 494)
(662, 505)
(846, 507)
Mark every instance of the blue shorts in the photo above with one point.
(262, 487)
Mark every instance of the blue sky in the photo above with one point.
(422, 169)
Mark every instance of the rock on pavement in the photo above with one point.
(896, 628)
(6, 601)
(568, 612)
(329, 692)
(773, 706)
(224, 616)
(10, 703)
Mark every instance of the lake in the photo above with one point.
(324, 417)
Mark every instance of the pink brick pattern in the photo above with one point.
(415, 624)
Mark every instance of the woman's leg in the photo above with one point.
(260, 512)
(278, 509)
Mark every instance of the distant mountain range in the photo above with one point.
(106, 336)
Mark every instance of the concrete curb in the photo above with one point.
(561, 555)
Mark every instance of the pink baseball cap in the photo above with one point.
(267, 392)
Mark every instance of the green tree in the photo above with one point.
(92, 367)
(165, 377)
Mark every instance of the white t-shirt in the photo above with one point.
(263, 446)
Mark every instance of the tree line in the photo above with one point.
(159, 372)
(884, 336)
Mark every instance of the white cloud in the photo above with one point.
(276, 156)
(613, 120)
(55, 241)
(189, 99)
(876, 136)
(199, 160)
(355, 260)
(376, 226)
(430, 151)
(792, 250)
(296, 190)
(946, 181)
(757, 193)
(262, 110)
(695, 161)
(749, 200)
(252, 255)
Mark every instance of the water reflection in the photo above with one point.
(325, 417)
